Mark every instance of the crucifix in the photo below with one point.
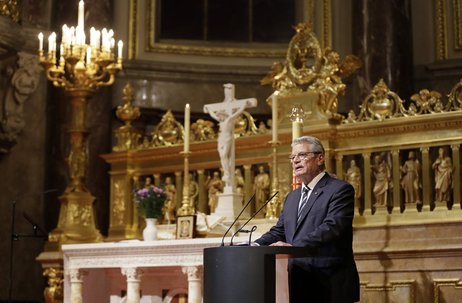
(226, 113)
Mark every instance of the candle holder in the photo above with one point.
(81, 69)
(272, 209)
(186, 208)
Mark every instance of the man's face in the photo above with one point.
(306, 165)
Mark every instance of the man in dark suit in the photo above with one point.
(319, 214)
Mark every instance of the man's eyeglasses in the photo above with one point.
(302, 156)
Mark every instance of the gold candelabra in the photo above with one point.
(186, 208)
(80, 70)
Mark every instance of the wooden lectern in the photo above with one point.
(244, 274)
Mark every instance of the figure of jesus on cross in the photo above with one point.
(226, 113)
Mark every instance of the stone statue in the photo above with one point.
(148, 182)
(214, 187)
(443, 176)
(239, 181)
(261, 185)
(353, 176)
(193, 191)
(225, 113)
(170, 202)
(382, 174)
(410, 182)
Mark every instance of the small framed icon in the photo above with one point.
(185, 227)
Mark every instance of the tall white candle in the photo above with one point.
(88, 56)
(81, 15)
(120, 45)
(40, 37)
(274, 107)
(187, 114)
(297, 129)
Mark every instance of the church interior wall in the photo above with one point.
(169, 80)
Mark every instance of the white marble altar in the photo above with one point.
(137, 271)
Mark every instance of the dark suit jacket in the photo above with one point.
(326, 224)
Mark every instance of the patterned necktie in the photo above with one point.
(305, 196)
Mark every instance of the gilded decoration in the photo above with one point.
(308, 67)
(381, 103)
(168, 132)
(53, 293)
(441, 43)
(393, 291)
(10, 9)
(203, 130)
(457, 16)
(128, 137)
(447, 290)
(118, 209)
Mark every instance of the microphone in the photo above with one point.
(234, 222)
(38, 231)
(253, 216)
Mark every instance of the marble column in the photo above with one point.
(382, 38)
(133, 275)
(194, 283)
(76, 278)
(202, 204)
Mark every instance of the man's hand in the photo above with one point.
(280, 243)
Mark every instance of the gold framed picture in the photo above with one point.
(185, 227)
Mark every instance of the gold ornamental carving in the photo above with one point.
(53, 293)
(308, 67)
(10, 9)
(128, 137)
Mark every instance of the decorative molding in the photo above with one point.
(394, 291)
(132, 30)
(438, 284)
(441, 49)
(457, 23)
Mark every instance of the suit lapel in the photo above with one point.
(292, 211)
(315, 194)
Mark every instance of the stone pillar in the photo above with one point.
(248, 186)
(383, 40)
(194, 283)
(76, 278)
(456, 173)
(179, 188)
(202, 203)
(426, 180)
(133, 275)
(396, 198)
(367, 182)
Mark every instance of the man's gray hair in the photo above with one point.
(315, 143)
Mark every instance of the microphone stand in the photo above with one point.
(234, 222)
(16, 237)
(251, 217)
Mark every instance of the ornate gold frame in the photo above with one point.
(456, 15)
(152, 46)
(441, 30)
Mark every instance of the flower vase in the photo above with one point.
(150, 231)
